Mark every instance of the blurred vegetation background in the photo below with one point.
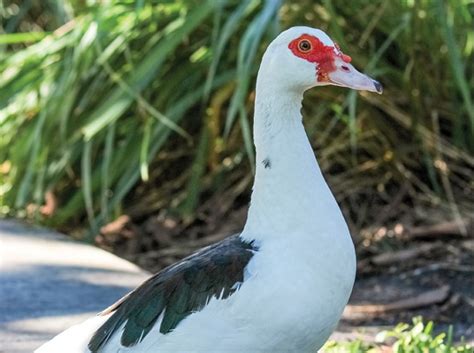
(144, 107)
(129, 124)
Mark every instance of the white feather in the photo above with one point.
(75, 338)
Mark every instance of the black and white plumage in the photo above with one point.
(279, 286)
(176, 292)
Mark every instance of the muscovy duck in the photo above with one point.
(282, 283)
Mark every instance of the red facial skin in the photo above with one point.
(323, 55)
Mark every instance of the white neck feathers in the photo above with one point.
(290, 195)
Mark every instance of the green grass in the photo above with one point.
(419, 337)
(152, 102)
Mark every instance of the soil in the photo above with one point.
(402, 273)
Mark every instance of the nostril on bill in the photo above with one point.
(378, 87)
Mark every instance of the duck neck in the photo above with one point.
(289, 190)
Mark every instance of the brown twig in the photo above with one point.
(452, 228)
(389, 258)
(427, 298)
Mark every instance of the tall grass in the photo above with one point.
(156, 98)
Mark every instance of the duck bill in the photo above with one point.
(347, 76)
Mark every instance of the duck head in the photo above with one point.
(305, 57)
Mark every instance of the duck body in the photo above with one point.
(284, 308)
(290, 305)
(282, 283)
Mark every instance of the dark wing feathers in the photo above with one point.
(176, 292)
(145, 318)
(132, 333)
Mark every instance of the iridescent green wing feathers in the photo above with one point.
(176, 292)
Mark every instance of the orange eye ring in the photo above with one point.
(305, 46)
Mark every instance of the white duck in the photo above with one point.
(282, 283)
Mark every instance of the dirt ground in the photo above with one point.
(402, 272)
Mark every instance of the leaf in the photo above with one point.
(26, 37)
(86, 182)
(144, 150)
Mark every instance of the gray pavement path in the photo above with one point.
(48, 283)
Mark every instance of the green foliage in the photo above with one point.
(94, 108)
(356, 346)
(419, 337)
(416, 338)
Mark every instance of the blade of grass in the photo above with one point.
(352, 105)
(457, 65)
(35, 142)
(105, 170)
(26, 37)
(144, 150)
(247, 136)
(86, 184)
(198, 167)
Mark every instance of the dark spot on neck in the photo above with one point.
(267, 163)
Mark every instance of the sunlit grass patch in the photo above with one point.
(418, 337)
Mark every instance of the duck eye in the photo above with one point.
(304, 46)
